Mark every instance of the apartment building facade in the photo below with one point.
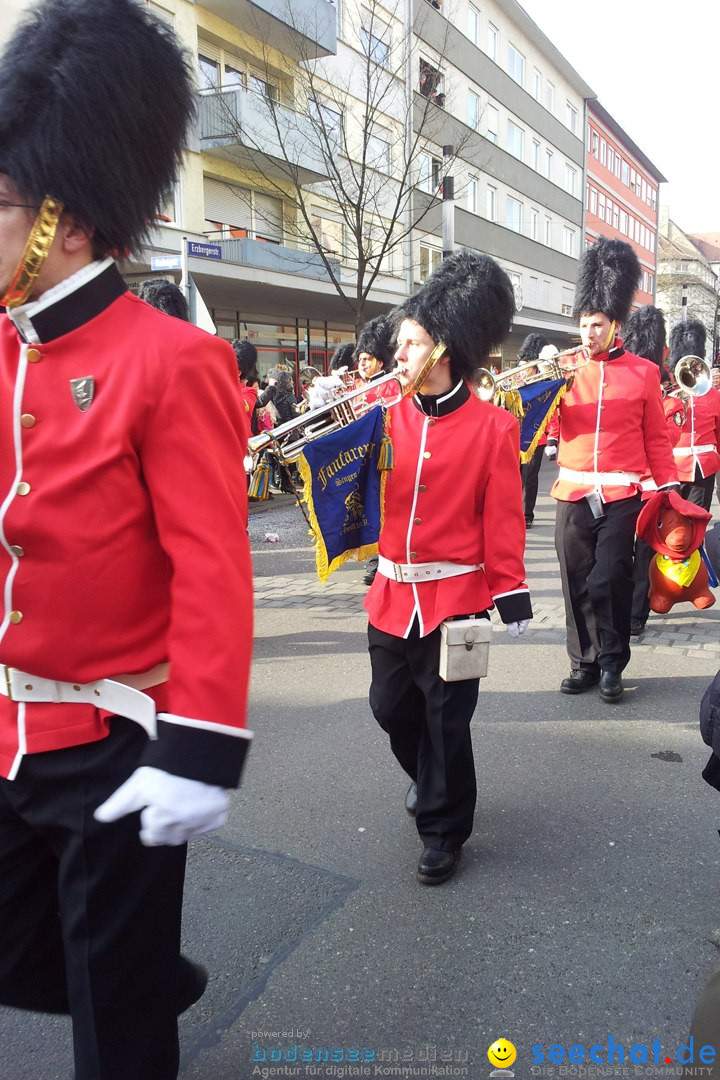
(687, 280)
(621, 194)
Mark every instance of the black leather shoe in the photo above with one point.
(636, 627)
(411, 799)
(578, 681)
(611, 686)
(192, 981)
(437, 866)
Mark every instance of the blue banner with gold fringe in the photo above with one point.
(539, 401)
(343, 487)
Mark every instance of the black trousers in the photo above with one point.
(700, 490)
(428, 722)
(530, 474)
(89, 918)
(596, 568)
(641, 586)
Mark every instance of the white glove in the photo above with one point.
(515, 629)
(324, 390)
(551, 451)
(173, 807)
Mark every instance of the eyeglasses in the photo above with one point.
(20, 205)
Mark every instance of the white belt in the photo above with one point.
(599, 479)
(122, 694)
(688, 451)
(426, 571)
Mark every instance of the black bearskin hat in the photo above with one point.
(343, 356)
(532, 347)
(95, 101)
(246, 356)
(608, 276)
(165, 296)
(687, 339)
(376, 338)
(468, 304)
(644, 333)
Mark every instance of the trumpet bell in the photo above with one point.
(692, 375)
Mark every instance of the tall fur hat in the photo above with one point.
(376, 338)
(532, 347)
(687, 339)
(165, 296)
(608, 276)
(468, 304)
(246, 356)
(644, 333)
(343, 356)
(95, 101)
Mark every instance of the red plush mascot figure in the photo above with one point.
(675, 528)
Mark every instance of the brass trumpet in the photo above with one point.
(288, 440)
(487, 385)
(693, 377)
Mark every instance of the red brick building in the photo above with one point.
(621, 194)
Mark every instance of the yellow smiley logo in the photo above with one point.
(502, 1054)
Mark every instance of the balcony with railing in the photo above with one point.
(250, 129)
(302, 29)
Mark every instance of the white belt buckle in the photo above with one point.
(398, 572)
(6, 677)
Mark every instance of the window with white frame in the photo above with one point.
(375, 38)
(567, 300)
(208, 73)
(570, 179)
(625, 173)
(493, 38)
(473, 110)
(472, 194)
(568, 240)
(234, 212)
(571, 117)
(473, 24)
(330, 234)
(429, 173)
(378, 150)
(618, 164)
(536, 84)
(603, 152)
(550, 96)
(547, 230)
(513, 214)
(431, 83)
(533, 224)
(616, 216)
(536, 155)
(161, 13)
(545, 293)
(593, 200)
(491, 203)
(327, 119)
(623, 222)
(532, 291)
(610, 158)
(515, 140)
(516, 65)
(594, 143)
(548, 163)
(601, 206)
(430, 259)
(492, 119)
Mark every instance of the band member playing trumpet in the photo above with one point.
(696, 454)
(611, 425)
(451, 544)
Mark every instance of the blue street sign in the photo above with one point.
(165, 262)
(204, 251)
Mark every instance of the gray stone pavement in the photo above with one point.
(586, 903)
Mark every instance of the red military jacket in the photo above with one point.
(611, 421)
(453, 495)
(123, 538)
(699, 437)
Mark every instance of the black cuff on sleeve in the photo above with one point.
(515, 607)
(208, 756)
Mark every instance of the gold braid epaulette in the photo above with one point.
(36, 251)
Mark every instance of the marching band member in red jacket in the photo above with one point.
(451, 545)
(612, 426)
(696, 453)
(127, 596)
